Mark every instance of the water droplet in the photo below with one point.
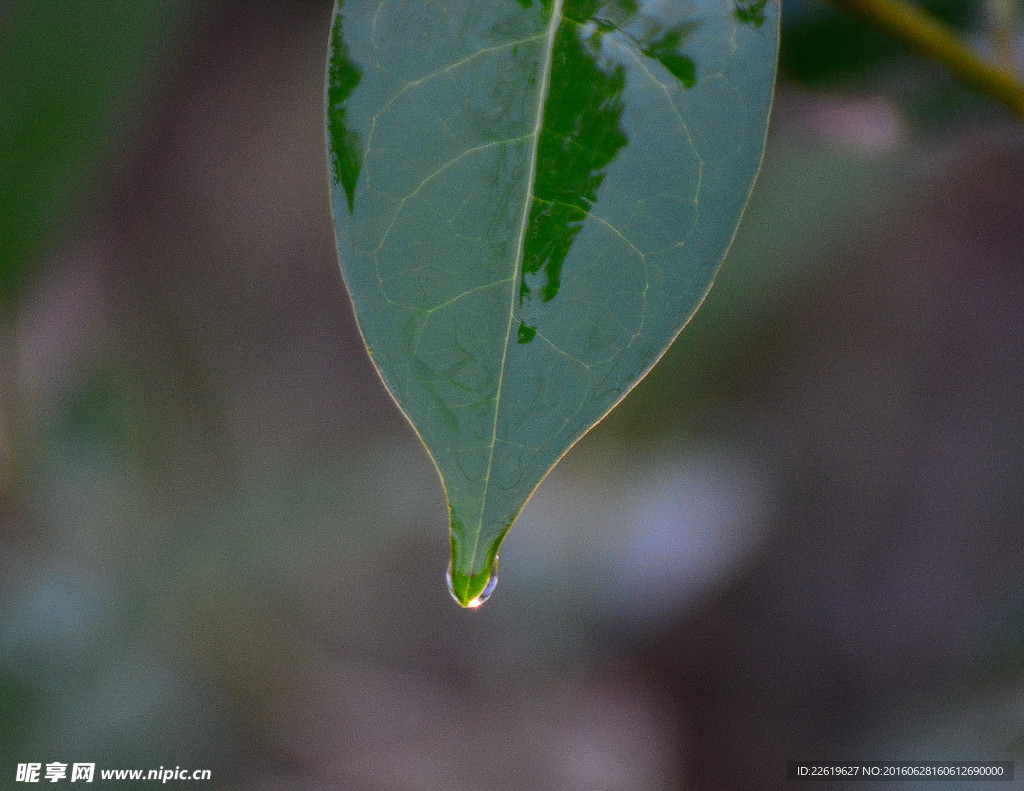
(484, 595)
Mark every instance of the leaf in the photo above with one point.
(531, 199)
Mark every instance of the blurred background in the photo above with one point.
(222, 546)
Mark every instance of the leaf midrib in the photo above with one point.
(542, 96)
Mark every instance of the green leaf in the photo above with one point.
(531, 199)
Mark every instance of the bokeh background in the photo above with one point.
(221, 545)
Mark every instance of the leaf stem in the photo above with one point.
(934, 40)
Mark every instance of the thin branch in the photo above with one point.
(934, 40)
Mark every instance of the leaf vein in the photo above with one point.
(409, 86)
(401, 204)
(545, 84)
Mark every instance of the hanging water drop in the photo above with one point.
(464, 582)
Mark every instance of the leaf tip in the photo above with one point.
(470, 589)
